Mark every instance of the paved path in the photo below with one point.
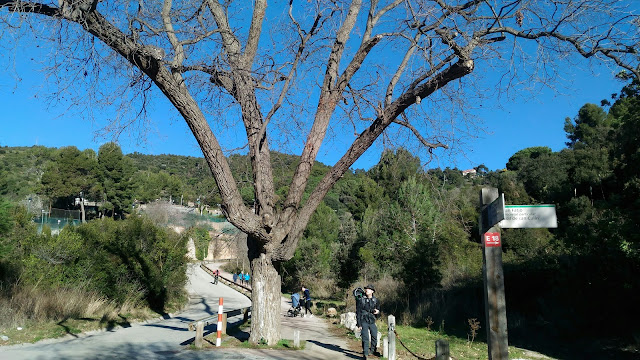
(166, 339)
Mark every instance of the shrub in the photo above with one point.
(130, 260)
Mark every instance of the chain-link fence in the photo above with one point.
(167, 214)
(57, 219)
(162, 213)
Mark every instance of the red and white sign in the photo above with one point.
(491, 239)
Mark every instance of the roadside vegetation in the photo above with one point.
(96, 275)
(421, 342)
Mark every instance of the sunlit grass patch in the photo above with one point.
(238, 337)
(422, 342)
(30, 314)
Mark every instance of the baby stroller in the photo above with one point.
(296, 309)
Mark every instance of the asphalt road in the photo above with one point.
(161, 339)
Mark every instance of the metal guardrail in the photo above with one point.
(213, 319)
(244, 290)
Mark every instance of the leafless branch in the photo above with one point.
(405, 122)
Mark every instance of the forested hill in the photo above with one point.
(21, 169)
(151, 177)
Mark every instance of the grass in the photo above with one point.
(422, 342)
(33, 331)
(283, 344)
(239, 338)
(29, 315)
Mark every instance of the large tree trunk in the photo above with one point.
(265, 300)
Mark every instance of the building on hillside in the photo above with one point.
(470, 172)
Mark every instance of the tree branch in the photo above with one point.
(179, 96)
(259, 9)
(326, 105)
(179, 56)
(577, 44)
(403, 65)
(294, 67)
(363, 142)
(230, 43)
(405, 122)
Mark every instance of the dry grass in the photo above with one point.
(321, 288)
(387, 289)
(51, 309)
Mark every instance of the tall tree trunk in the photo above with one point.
(83, 218)
(265, 300)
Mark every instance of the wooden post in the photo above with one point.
(296, 338)
(385, 347)
(392, 337)
(245, 318)
(199, 334)
(442, 350)
(493, 277)
(224, 323)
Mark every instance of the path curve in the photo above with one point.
(166, 338)
(163, 338)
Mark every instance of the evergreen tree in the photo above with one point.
(115, 174)
(70, 173)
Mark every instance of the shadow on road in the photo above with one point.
(349, 353)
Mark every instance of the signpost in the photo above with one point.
(493, 276)
(495, 215)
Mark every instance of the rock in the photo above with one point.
(4, 338)
(342, 318)
(19, 328)
(332, 312)
(350, 321)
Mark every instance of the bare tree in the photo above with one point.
(317, 66)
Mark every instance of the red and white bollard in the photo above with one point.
(219, 327)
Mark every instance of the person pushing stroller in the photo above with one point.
(307, 302)
(296, 309)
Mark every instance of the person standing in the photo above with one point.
(247, 277)
(367, 311)
(215, 278)
(307, 301)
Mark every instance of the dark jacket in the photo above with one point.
(364, 310)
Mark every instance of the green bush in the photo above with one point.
(121, 260)
(201, 240)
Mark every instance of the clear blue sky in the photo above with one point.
(26, 121)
